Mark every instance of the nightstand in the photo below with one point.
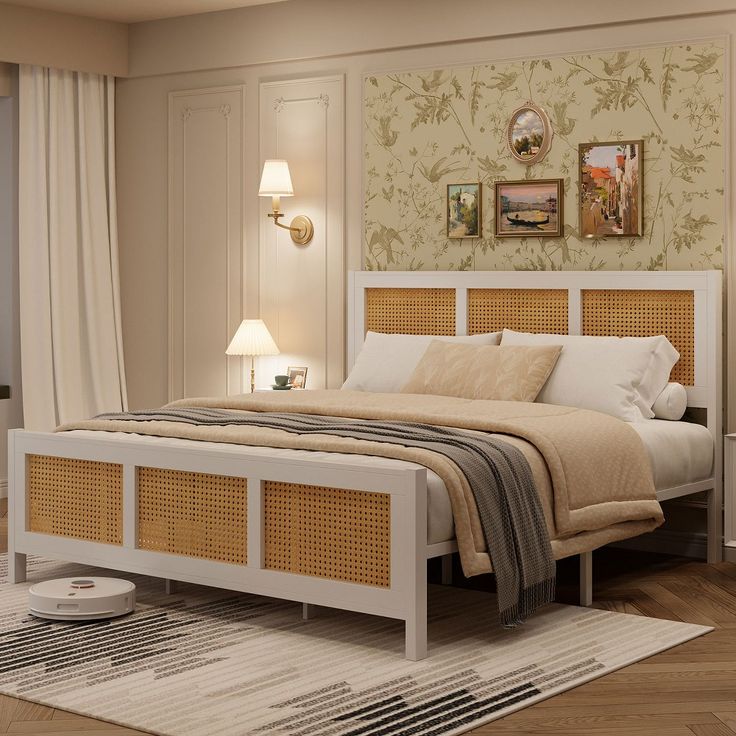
(258, 390)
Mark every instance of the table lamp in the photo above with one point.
(252, 338)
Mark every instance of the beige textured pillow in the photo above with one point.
(512, 373)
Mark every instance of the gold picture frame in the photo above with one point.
(464, 210)
(529, 133)
(530, 208)
(611, 199)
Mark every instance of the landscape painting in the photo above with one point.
(529, 207)
(611, 189)
(463, 210)
(529, 133)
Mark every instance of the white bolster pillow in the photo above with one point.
(671, 403)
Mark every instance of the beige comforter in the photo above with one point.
(591, 470)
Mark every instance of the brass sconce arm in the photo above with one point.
(301, 227)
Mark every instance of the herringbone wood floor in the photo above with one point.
(686, 691)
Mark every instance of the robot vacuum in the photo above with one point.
(81, 599)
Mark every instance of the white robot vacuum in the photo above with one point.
(81, 599)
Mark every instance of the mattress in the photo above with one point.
(680, 453)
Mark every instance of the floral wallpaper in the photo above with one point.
(427, 129)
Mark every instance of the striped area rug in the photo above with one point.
(206, 662)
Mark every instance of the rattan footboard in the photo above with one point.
(74, 498)
(328, 532)
(332, 533)
(193, 514)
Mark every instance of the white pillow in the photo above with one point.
(386, 362)
(620, 376)
(671, 403)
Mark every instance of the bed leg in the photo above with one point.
(309, 611)
(416, 622)
(416, 637)
(16, 568)
(714, 547)
(446, 569)
(170, 586)
(586, 579)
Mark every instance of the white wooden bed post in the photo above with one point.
(16, 515)
(415, 566)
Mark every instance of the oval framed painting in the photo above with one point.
(529, 133)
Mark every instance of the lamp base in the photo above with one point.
(302, 230)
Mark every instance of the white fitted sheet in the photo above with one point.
(680, 453)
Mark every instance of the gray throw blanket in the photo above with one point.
(498, 474)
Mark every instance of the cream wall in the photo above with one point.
(33, 36)
(304, 29)
(142, 124)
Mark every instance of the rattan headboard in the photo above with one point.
(684, 306)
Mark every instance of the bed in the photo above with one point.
(370, 524)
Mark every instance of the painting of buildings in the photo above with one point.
(463, 211)
(611, 189)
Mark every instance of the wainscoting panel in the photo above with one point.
(302, 287)
(205, 239)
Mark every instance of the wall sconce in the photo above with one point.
(276, 183)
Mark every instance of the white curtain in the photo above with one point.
(71, 338)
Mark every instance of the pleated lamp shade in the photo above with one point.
(252, 338)
(276, 179)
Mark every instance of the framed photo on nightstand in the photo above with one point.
(297, 376)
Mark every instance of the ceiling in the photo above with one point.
(134, 11)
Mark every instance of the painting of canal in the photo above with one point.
(529, 207)
(611, 189)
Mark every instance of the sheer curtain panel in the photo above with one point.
(71, 337)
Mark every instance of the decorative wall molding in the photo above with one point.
(205, 239)
(302, 287)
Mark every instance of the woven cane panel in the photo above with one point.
(411, 311)
(525, 310)
(75, 498)
(193, 514)
(328, 532)
(641, 313)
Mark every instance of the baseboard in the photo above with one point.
(668, 542)
(3, 487)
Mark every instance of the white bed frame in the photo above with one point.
(406, 597)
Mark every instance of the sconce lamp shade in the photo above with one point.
(252, 338)
(276, 179)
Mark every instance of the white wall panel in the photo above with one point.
(302, 287)
(205, 239)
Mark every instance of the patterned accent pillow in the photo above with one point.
(513, 373)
